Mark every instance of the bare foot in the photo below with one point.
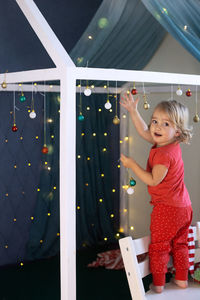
(156, 288)
(181, 283)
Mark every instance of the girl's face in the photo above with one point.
(162, 129)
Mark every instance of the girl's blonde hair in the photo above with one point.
(179, 115)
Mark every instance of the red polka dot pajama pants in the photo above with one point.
(169, 234)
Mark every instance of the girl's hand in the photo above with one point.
(128, 102)
(126, 161)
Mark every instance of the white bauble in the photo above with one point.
(32, 115)
(108, 105)
(179, 92)
(130, 190)
(87, 92)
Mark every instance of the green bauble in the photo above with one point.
(81, 117)
(132, 182)
(22, 98)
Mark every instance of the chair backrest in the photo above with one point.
(135, 270)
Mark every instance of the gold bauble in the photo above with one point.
(146, 105)
(4, 85)
(116, 120)
(196, 118)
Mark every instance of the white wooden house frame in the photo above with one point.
(67, 73)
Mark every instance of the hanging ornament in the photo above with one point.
(188, 93)
(45, 148)
(22, 98)
(196, 118)
(179, 92)
(87, 91)
(146, 105)
(132, 182)
(116, 119)
(81, 116)
(130, 189)
(32, 114)
(134, 90)
(14, 127)
(108, 105)
(4, 84)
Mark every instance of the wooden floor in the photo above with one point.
(173, 292)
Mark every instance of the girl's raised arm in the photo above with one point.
(130, 105)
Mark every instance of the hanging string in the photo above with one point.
(32, 100)
(143, 88)
(45, 117)
(80, 100)
(196, 101)
(14, 108)
(171, 92)
(116, 98)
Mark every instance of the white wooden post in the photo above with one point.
(67, 186)
(67, 145)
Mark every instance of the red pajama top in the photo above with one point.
(172, 190)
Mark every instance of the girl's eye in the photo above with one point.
(166, 124)
(154, 122)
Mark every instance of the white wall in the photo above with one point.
(170, 57)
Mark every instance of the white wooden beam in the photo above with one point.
(136, 76)
(44, 32)
(33, 75)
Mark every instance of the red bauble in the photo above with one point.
(134, 91)
(14, 128)
(188, 93)
(45, 150)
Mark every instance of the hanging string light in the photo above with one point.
(4, 84)
(80, 117)
(146, 105)
(116, 119)
(108, 105)
(196, 117)
(45, 149)
(32, 114)
(14, 127)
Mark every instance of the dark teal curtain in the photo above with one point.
(97, 172)
(181, 18)
(44, 232)
(122, 34)
(97, 186)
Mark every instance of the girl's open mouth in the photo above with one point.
(157, 134)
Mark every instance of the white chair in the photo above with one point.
(136, 271)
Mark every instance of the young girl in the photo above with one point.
(164, 175)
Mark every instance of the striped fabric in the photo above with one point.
(191, 247)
